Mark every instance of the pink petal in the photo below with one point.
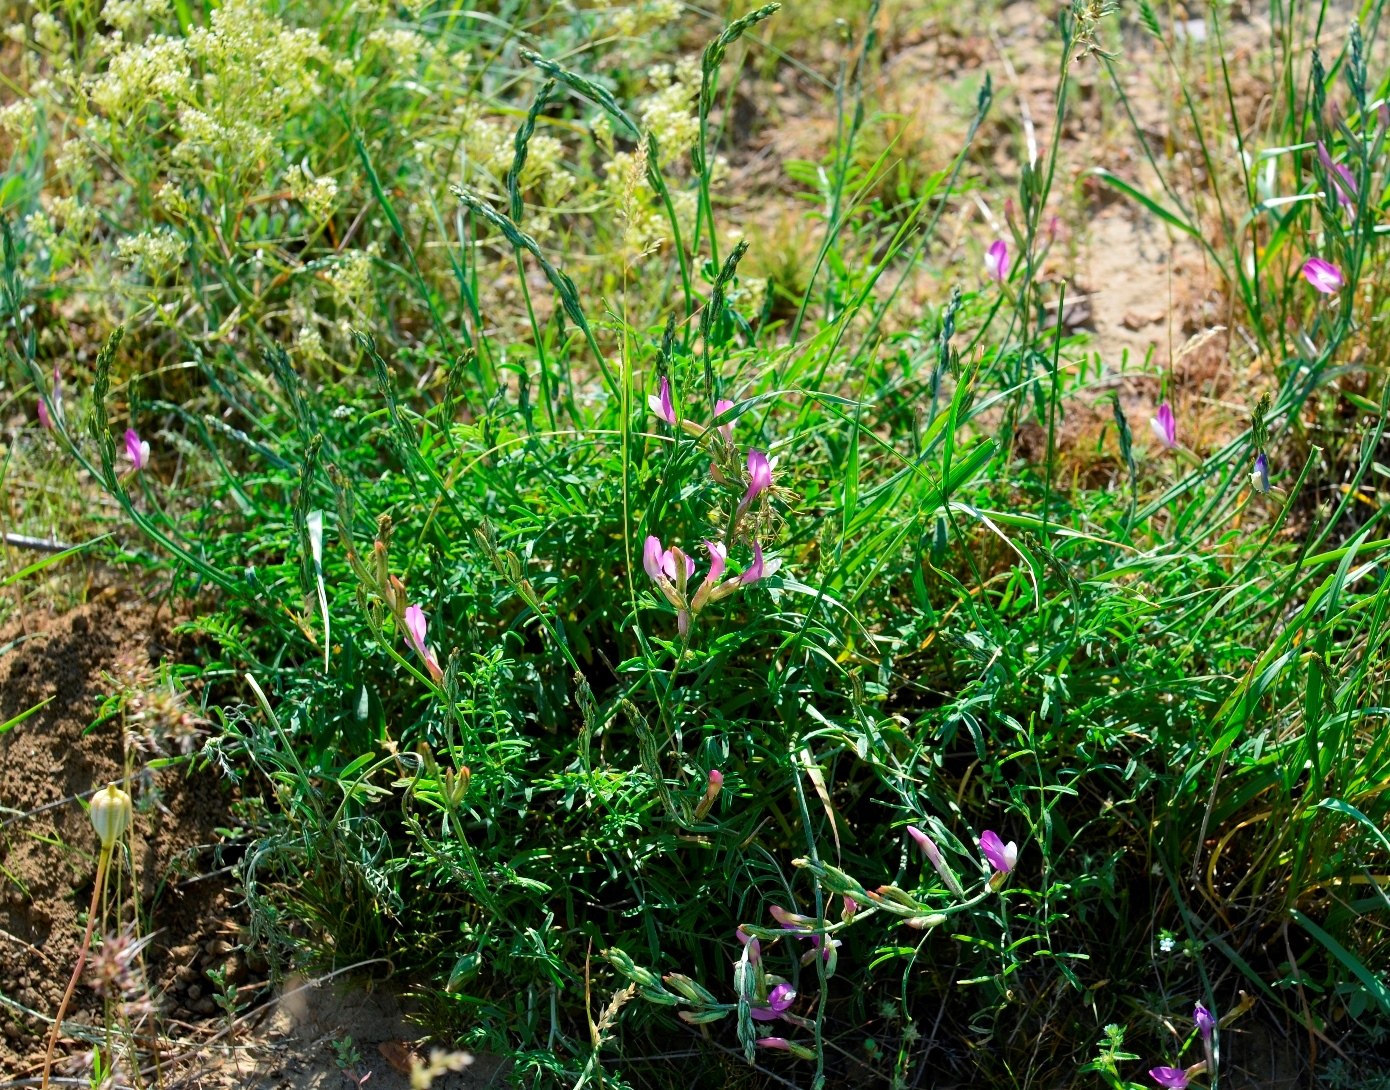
(651, 557)
(1323, 275)
(997, 260)
(755, 570)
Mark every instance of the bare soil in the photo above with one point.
(48, 762)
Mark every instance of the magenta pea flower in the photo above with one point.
(136, 449)
(782, 1044)
(755, 570)
(726, 430)
(759, 477)
(997, 260)
(1259, 478)
(1002, 857)
(937, 860)
(712, 789)
(415, 634)
(791, 921)
(668, 568)
(1171, 1078)
(1323, 275)
(827, 949)
(1206, 1021)
(1343, 180)
(44, 418)
(1165, 426)
(755, 949)
(779, 1001)
(661, 403)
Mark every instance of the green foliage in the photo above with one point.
(1164, 684)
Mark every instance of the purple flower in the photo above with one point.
(136, 449)
(1206, 1021)
(826, 949)
(928, 846)
(1172, 1078)
(1002, 857)
(661, 403)
(759, 477)
(997, 260)
(1323, 275)
(44, 418)
(669, 569)
(712, 789)
(755, 949)
(779, 1001)
(1165, 426)
(755, 570)
(718, 555)
(1259, 479)
(726, 430)
(415, 633)
(791, 921)
(799, 1051)
(1343, 180)
(937, 860)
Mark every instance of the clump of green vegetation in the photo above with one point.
(646, 657)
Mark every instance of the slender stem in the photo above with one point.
(77, 969)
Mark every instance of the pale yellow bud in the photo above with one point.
(110, 813)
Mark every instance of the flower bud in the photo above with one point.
(110, 814)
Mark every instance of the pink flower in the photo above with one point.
(1343, 180)
(1323, 275)
(937, 860)
(755, 570)
(997, 260)
(779, 1001)
(755, 949)
(826, 949)
(1165, 426)
(1171, 1078)
(1206, 1021)
(791, 921)
(1002, 857)
(799, 1051)
(759, 477)
(726, 430)
(44, 418)
(712, 789)
(669, 569)
(1259, 478)
(415, 632)
(661, 403)
(718, 556)
(136, 449)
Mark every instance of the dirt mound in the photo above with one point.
(73, 743)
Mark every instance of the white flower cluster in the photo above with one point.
(405, 47)
(352, 276)
(316, 194)
(669, 114)
(18, 118)
(155, 253)
(124, 14)
(156, 67)
(637, 19)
